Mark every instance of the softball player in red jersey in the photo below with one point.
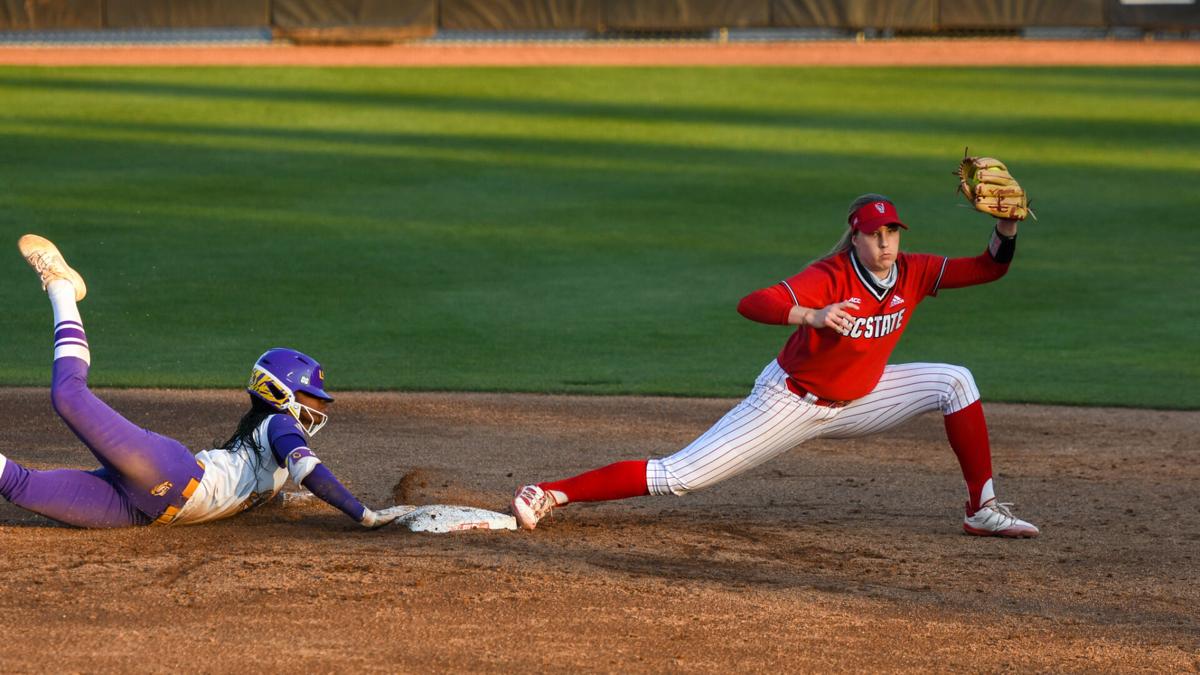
(832, 378)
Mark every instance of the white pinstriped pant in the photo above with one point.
(773, 420)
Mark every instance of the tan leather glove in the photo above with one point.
(990, 188)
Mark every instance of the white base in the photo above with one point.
(443, 518)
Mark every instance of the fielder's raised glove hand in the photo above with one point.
(373, 520)
(990, 188)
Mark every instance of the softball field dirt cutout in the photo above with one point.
(839, 555)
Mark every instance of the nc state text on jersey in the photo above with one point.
(876, 326)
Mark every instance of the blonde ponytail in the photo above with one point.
(843, 244)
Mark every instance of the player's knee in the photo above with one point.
(961, 390)
(67, 397)
(961, 378)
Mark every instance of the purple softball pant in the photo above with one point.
(144, 477)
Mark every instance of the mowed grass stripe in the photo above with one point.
(590, 230)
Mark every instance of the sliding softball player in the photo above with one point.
(145, 478)
(832, 379)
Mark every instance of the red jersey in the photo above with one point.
(843, 367)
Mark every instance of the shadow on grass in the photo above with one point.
(635, 218)
(1164, 133)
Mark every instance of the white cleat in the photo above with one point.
(530, 504)
(993, 519)
(43, 256)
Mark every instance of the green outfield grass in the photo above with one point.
(591, 230)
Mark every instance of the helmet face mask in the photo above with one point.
(279, 374)
(316, 418)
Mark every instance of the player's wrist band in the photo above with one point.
(1001, 247)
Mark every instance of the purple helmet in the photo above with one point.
(279, 373)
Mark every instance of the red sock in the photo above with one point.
(615, 481)
(967, 431)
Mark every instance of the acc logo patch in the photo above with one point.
(162, 488)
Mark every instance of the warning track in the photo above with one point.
(961, 52)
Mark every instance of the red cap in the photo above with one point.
(874, 215)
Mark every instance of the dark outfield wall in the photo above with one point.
(595, 15)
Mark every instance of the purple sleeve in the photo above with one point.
(290, 448)
(285, 435)
(322, 483)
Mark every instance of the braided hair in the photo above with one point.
(259, 411)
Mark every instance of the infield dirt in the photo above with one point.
(837, 556)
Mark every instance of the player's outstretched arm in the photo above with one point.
(289, 444)
(987, 266)
(321, 482)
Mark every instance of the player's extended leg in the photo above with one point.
(80, 498)
(907, 390)
(156, 473)
(771, 420)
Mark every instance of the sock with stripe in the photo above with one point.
(69, 338)
(615, 481)
(967, 431)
